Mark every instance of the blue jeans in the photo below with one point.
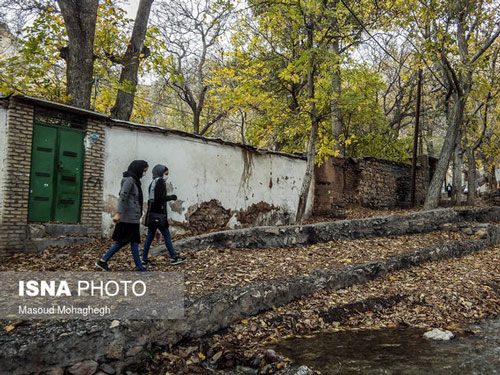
(134, 246)
(168, 241)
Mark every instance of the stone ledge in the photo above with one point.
(65, 343)
(287, 236)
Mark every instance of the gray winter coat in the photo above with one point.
(128, 202)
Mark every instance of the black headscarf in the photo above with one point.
(136, 170)
(159, 170)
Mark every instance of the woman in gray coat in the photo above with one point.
(128, 215)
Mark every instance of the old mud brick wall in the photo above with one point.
(368, 182)
(16, 127)
(218, 184)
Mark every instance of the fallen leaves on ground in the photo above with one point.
(208, 270)
(450, 294)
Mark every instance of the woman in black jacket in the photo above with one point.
(156, 217)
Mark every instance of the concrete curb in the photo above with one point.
(66, 343)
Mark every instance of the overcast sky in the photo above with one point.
(131, 8)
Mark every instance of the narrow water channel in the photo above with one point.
(398, 351)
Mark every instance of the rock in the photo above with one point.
(468, 231)
(115, 351)
(242, 370)
(437, 334)
(37, 230)
(133, 351)
(302, 370)
(482, 233)
(270, 356)
(88, 367)
(115, 323)
(107, 369)
(54, 371)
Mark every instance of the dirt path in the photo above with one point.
(209, 270)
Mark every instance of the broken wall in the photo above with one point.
(216, 182)
(367, 182)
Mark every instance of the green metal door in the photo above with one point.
(43, 156)
(69, 176)
(56, 174)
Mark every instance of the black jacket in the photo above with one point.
(159, 203)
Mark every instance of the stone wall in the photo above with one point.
(296, 235)
(368, 182)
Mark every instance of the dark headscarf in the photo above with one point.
(136, 170)
(159, 170)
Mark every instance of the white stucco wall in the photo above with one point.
(202, 170)
(3, 153)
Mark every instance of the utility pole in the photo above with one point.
(415, 141)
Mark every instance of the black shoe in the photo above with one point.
(178, 260)
(102, 265)
(145, 263)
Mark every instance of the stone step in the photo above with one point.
(40, 244)
(55, 230)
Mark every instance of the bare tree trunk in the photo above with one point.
(456, 193)
(80, 22)
(243, 115)
(311, 148)
(471, 159)
(336, 115)
(125, 99)
(471, 177)
(434, 191)
(196, 121)
(308, 176)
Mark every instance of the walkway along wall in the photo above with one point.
(219, 184)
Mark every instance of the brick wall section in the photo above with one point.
(368, 182)
(93, 175)
(13, 231)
